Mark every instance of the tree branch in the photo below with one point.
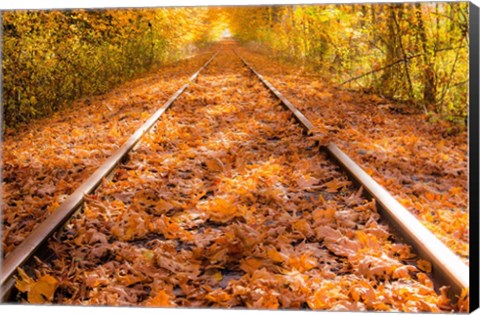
(397, 62)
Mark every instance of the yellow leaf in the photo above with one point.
(218, 276)
(93, 279)
(430, 196)
(33, 100)
(370, 206)
(380, 306)
(455, 190)
(425, 280)
(268, 301)
(148, 255)
(43, 290)
(25, 283)
(145, 115)
(464, 301)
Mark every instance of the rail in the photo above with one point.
(447, 268)
(61, 215)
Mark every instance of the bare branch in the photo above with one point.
(396, 62)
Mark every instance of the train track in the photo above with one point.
(447, 269)
(74, 202)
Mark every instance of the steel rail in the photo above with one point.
(304, 122)
(40, 235)
(447, 268)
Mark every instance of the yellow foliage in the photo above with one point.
(51, 58)
(38, 292)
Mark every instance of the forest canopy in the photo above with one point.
(416, 52)
(51, 58)
(412, 52)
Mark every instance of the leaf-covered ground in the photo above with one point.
(422, 163)
(227, 204)
(47, 160)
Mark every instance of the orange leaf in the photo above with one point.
(321, 214)
(162, 206)
(334, 185)
(43, 290)
(306, 182)
(161, 299)
(215, 165)
(250, 265)
(129, 279)
(424, 265)
(222, 210)
(303, 227)
(25, 283)
(303, 263)
(274, 255)
(218, 296)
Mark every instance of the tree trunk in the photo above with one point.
(393, 52)
(429, 86)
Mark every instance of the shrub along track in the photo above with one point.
(227, 204)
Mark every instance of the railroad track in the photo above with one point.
(448, 268)
(163, 227)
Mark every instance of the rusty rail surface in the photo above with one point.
(23, 252)
(447, 268)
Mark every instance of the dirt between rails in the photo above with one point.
(422, 163)
(227, 204)
(47, 160)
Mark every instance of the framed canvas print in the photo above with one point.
(204, 157)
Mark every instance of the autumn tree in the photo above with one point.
(411, 52)
(53, 57)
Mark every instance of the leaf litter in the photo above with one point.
(47, 160)
(227, 204)
(424, 164)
